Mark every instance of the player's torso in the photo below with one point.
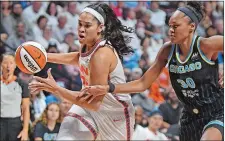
(116, 76)
(195, 80)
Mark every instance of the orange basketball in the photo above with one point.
(31, 57)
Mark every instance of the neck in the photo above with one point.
(152, 129)
(7, 77)
(51, 123)
(89, 46)
(186, 45)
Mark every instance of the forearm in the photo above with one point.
(72, 97)
(26, 118)
(141, 84)
(64, 58)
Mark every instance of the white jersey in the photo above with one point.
(117, 76)
(115, 118)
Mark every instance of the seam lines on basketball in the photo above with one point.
(32, 57)
(40, 50)
(21, 58)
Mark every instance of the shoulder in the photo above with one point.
(210, 41)
(165, 51)
(103, 53)
(167, 45)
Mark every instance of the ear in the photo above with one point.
(101, 28)
(192, 27)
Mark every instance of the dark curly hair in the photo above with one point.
(197, 8)
(113, 30)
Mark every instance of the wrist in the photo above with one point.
(25, 129)
(107, 88)
(111, 88)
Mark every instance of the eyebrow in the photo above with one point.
(89, 23)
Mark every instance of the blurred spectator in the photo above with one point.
(171, 109)
(47, 37)
(219, 26)
(118, 8)
(20, 37)
(155, 93)
(158, 16)
(5, 8)
(47, 127)
(52, 14)
(141, 98)
(164, 78)
(65, 105)
(4, 37)
(32, 12)
(144, 101)
(72, 16)
(130, 61)
(138, 115)
(68, 44)
(40, 26)
(210, 31)
(39, 104)
(60, 30)
(144, 27)
(9, 22)
(155, 121)
(139, 131)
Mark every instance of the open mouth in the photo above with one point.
(81, 36)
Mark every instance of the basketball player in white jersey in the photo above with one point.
(105, 118)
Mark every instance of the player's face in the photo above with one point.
(155, 121)
(53, 112)
(8, 65)
(179, 27)
(88, 29)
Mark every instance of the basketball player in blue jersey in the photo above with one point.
(194, 76)
(103, 45)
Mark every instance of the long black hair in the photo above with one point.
(113, 30)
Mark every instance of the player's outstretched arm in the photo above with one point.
(50, 85)
(64, 58)
(150, 75)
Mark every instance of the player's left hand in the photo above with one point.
(48, 84)
(23, 135)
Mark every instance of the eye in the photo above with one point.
(80, 24)
(87, 26)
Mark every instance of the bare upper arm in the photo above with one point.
(211, 46)
(100, 66)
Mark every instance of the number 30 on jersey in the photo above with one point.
(188, 83)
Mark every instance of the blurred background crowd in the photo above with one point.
(54, 25)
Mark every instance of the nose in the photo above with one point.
(171, 30)
(81, 29)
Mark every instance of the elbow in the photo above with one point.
(142, 86)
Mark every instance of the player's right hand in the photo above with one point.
(89, 93)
